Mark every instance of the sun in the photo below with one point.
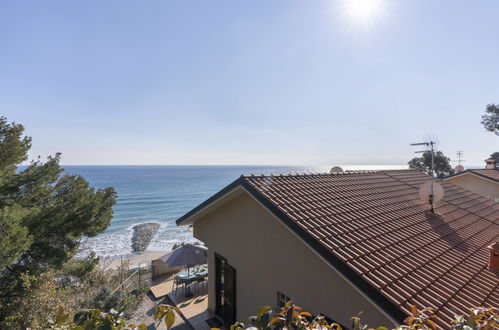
(362, 12)
(362, 9)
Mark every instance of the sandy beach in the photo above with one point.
(134, 259)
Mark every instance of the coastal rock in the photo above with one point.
(142, 235)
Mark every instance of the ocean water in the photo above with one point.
(162, 194)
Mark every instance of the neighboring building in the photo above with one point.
(343, 243)
(482, 181)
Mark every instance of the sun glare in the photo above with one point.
(362, 13)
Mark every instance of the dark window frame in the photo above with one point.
(279, 301)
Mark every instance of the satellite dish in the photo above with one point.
(459, 168)
(336, 169)
(431, 192)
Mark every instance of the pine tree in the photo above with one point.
(44, 213)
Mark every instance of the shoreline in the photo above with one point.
(134, 259)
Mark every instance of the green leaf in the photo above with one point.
(169, 319)
(263, 310)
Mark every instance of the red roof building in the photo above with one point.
(482, 181)
(374, 230)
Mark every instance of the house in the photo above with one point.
(482, 181)
(342, 243)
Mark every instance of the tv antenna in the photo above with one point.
(430, 192)
(430, 148)
(459, 155)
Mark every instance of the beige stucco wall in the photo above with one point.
(159, 268)
(476, 184)
(269, 258)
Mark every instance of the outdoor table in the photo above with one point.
(186, 278)
(201, 273)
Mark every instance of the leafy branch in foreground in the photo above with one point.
(480, 318)
(292, 317)
(166, 313)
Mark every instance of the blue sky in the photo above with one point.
(248, 82)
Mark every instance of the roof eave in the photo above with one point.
(471, 172)
(195, 213)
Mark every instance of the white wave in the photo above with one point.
(165, 238)
(108, 245)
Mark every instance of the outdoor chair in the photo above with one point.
(200, 281)
(176, 283)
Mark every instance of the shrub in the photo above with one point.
(289, 317)
(41, 298)
(91, 319)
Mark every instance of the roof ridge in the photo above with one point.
(351, 172)
(486, 173)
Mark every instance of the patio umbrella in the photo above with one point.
(186, 255)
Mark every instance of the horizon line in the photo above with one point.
(314, 165)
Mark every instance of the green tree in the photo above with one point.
(441, 163)
(495, 155)
(41, 298)
(14, 237)
(44, 213)
(490, 120)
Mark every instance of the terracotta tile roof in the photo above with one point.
(375, 223)
(491, 174)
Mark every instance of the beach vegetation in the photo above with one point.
(105, 289)
(46, 294)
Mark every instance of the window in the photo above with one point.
(281, 300)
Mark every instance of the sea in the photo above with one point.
(162, 194)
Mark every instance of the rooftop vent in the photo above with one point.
(491, 164)
(494, 257)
